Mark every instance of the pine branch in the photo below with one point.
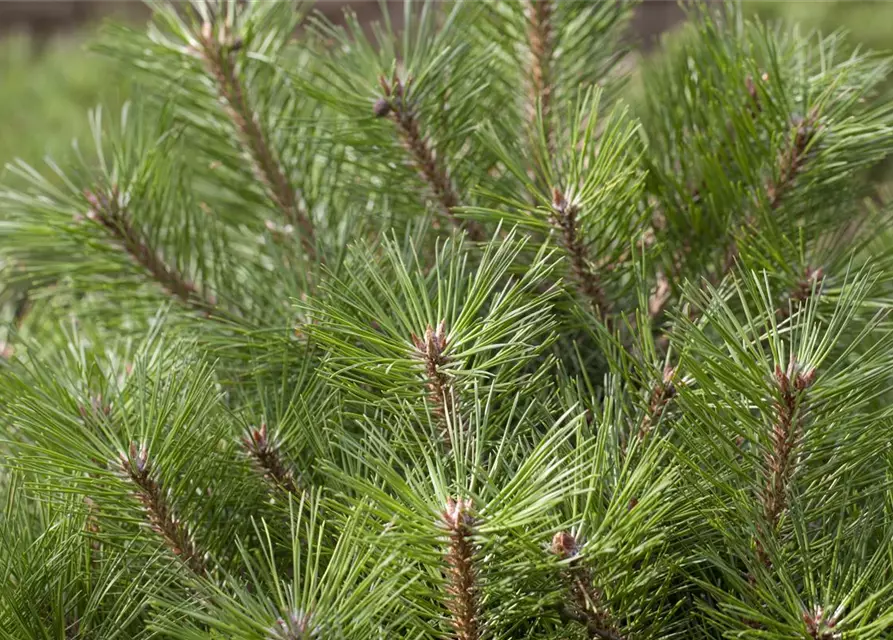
(219, 58)
(791, 162)
(819, 627)
(423, 156)
(540, 38)
(268, 460)
(787, 432)
(462, 588)
(586, 606)
(564, 219)
(431, 350)
(661, 395)
(137, 468)
(297, 626)
(805, 288)
(108, 211)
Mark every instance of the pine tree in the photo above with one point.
(477, 328)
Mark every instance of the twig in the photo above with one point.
(108, 211)
(431, 350)
(792, 160)
(810, 284)
(296, 626)
(790, 164)
(564, 219)
(820, 627)
(151, 493)
(787, 431)
(220, 61)
(423, 156)
(586, 606)
(540, 36)
(661, 394)
(462, 588)
(266, 457)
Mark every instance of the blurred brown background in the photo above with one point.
(41, 19)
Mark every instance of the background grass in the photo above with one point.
(44, 99)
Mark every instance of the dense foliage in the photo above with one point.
(426, 333)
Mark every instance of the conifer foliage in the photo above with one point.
(455, 331)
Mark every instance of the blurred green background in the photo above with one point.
(45, 96)
(46, 91)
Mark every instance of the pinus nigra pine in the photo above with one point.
(479, 328)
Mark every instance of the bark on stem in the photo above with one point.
(790, 164)
(431, 350)
(151, 493)
(266, 457)
(564, 219)
(661, 395)
(784, 438)
(462, 599)
(108, 211)
(422, 154)
(809, 285)
(219, 60)
(586, 605)
(540, 37)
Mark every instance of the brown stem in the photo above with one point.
(587, 602)
(787, 431)
(72, 628)
(790, 163)
(423, 156)
(265, 455)
(808, 285)
(22, 308)
(108, 211)
(540, 37)
(564, 219)
(151, 493)
(661, 395)
(220, 61)
(462, 589)
(431, 350)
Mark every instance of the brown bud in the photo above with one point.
(669, 387)
(805, 380)
(564, 545)
(558, 201)
(458, 514)
(381, 108)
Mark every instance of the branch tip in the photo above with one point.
(564, 219)
(220, 63)
(423, 156)
(267, 458)
(136, 467)
(462, 597)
